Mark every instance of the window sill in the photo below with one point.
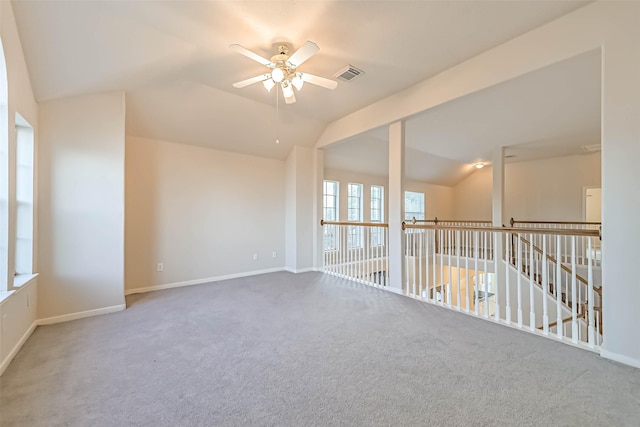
(22, 279)
(19, 283)
(4, 295)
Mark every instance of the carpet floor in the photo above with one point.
(308, 349)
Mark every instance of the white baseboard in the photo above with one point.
(302, 270)
(620, 358)
(80, 315)
(200, 281)
(17, 347)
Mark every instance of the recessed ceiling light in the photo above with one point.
(479, 165)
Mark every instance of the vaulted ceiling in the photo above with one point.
(172, 58)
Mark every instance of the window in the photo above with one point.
(413, 205)
(354, 213)
(4, 174)
(377, 214)
(330, 213)
(24, 197)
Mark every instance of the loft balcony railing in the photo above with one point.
(501, 274)
(357, 251)
(581, 249)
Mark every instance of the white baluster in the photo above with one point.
(442, 284)
(496, 257)
(458, 266)
(507, 264)
(574, 303)
(477, 279)
(435, 267)
(558, 289)
(406, 258)
(386, 249)
(420, 243)
(545, 288)
(485, 277)
(467, 237)
(532, 310)
(519, 279)
(449, 233)
(591, 317)
(427, 248)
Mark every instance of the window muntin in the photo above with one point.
(354, 214)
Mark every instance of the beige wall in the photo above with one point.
(545, 190)
(81, 222)
(201, 212)
(438, 198)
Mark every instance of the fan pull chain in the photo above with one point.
(277, 111)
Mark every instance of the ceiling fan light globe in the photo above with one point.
(269, 84)
(297, 81)
(277, 75)
(287, 91)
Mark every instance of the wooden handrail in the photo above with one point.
(362, 224)
(565, 320)
(513, 221)
(436, 220)
(555, 231)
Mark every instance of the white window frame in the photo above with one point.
(4, 174)
(377, 233)
(330, 237)
(355, 202)
(24, 184)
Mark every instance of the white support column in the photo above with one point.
(396, 204)
(497, 214)
(318, 178)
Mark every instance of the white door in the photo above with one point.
(593, 205)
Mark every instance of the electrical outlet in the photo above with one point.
(160, 267)
(274, 254)
(255, 257)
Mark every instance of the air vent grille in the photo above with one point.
(348, 73)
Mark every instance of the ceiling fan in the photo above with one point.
(284, 70)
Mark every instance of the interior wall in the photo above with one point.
(81, 181)
(203, 213)
(472, 197)
(544, 190)
(438, 198)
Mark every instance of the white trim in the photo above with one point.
(393, 290)
(23, 279)
(200, 281)
(17, 347)
(81, 314)
(302, 270)
(620, 358)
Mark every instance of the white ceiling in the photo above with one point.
(551, 112)
(172, 59)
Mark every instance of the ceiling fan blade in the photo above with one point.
(319, 81)
(252, 80)
(251, 55)
(306, 51)
(291, 99)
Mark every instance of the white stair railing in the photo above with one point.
(582, 242)
(500, 273)
(357, 251)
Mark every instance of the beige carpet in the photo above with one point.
(308, 349)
